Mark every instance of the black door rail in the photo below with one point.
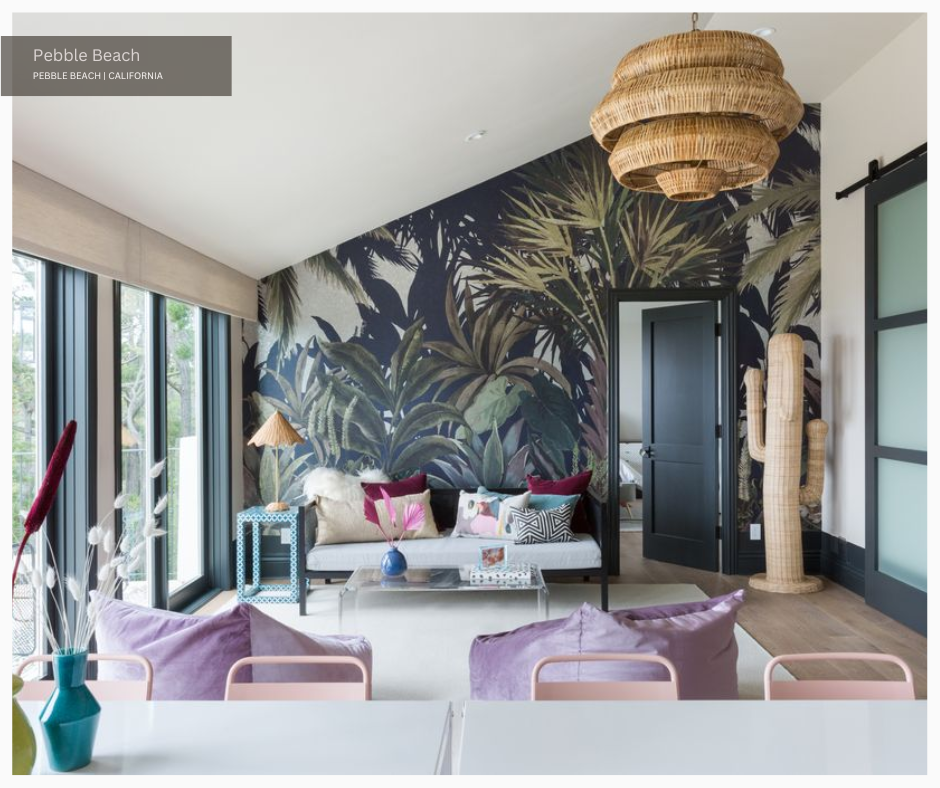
(875, 172)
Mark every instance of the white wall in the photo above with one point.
(879, 112)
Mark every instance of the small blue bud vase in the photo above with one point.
(394, 563)
(69, 719)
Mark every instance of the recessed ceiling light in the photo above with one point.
(474, 136)
(765, 32)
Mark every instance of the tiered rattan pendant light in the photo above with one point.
(693, 114)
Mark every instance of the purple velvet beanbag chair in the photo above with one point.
(697, 636)
(192, 655)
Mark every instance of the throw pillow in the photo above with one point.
(191, 655)
(547, 526)
(553, 501)
(541, 503)
(428, 529)
(697, 636)
(506, 503)
(410, 486)
(570, 485)
(271, 638)
(341, 522)
(483, 514)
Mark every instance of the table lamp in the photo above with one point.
(276, 432)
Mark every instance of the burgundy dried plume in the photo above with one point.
(47, 490)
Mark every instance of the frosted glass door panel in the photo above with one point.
(902, 521)
(902, 388)
(902, 253)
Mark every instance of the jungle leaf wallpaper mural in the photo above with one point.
(469, 338)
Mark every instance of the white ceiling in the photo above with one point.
(340, 123)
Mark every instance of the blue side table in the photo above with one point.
(293, 592)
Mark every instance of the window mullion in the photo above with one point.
(156, 419)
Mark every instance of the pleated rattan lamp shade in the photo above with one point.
(693, 114)
(276, 432)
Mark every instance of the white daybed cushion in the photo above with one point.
(446, 551)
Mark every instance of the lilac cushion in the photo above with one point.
(192, 655)
(697, 636)
(270, 637)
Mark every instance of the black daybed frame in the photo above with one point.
(444, 506)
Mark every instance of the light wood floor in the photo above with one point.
(834, 619)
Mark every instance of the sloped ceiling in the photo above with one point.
(340, 123)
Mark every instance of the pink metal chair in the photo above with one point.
(137, 689)
(300, 690)
(838, 689)
(606, 690)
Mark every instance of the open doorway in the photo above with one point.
(672, 457)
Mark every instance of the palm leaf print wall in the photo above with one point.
(469, 339)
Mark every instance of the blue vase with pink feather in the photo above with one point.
(394, 564)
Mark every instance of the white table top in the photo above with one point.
(260, 737)
(694, 737)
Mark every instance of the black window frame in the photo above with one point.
(67, 369)
(213, 336)
(897, 599)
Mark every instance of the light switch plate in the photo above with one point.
(755, 532)
(285, 535)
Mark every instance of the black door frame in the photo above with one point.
(902, 602)
(727, 299)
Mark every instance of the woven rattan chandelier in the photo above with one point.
(693, 114)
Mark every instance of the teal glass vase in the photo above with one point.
(69, 720)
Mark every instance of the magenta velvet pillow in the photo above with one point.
(697, 636)
(191, 655)
(570, 485)
(373, 490)
(270, 637)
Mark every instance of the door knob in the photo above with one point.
(646, 451)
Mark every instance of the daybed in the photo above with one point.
(587, 557)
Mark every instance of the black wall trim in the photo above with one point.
(751, 554)
(843, 563)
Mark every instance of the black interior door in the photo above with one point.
(680, 440)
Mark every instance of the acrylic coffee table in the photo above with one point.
(369, 580)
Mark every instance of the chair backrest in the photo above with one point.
(606, 690)
(299, 690)
(838, 689)
(107, 690)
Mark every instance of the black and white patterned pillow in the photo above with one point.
(543, 526)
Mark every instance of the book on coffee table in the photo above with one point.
(509, 574)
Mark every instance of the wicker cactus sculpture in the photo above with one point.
(781, 455)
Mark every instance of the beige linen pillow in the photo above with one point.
(427, 531)
(340, 521)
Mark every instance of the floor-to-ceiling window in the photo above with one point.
(171, 402)
(896, 409)
(185, 550)
(163, 367)
(53, 373)
(25, 281)
(132, 435)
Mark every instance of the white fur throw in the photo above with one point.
(338, 486)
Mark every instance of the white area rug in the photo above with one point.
(421, 641)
